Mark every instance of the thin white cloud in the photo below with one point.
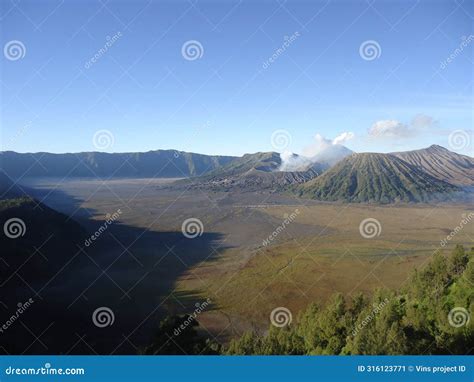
(388, 128)
(422, 121)
(391, 128)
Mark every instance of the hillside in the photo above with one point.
(8, 189)
(378, 178)
(430, 314)
(254, 180)
(40, 263)
(262, 161)
(41, 227)
(252, 172)
(442, 164)
(158, 164)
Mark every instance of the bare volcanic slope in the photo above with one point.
(442, 164)
(252, 172)
(376, 178)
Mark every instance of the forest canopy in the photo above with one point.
(430, 314)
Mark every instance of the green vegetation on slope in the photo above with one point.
(177, 335)
(268, 161)
(430, 315)
(376, 178)
(252, 172)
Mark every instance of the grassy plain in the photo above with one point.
(319, 253)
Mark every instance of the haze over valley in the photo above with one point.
(237, 177)
(146, 264)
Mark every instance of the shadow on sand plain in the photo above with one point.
(128, 273)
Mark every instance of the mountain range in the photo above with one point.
(157, 164)
(255, 172)
(376, 178)
(434, 173)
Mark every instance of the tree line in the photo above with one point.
(432, 313)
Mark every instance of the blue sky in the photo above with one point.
(231, 98)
